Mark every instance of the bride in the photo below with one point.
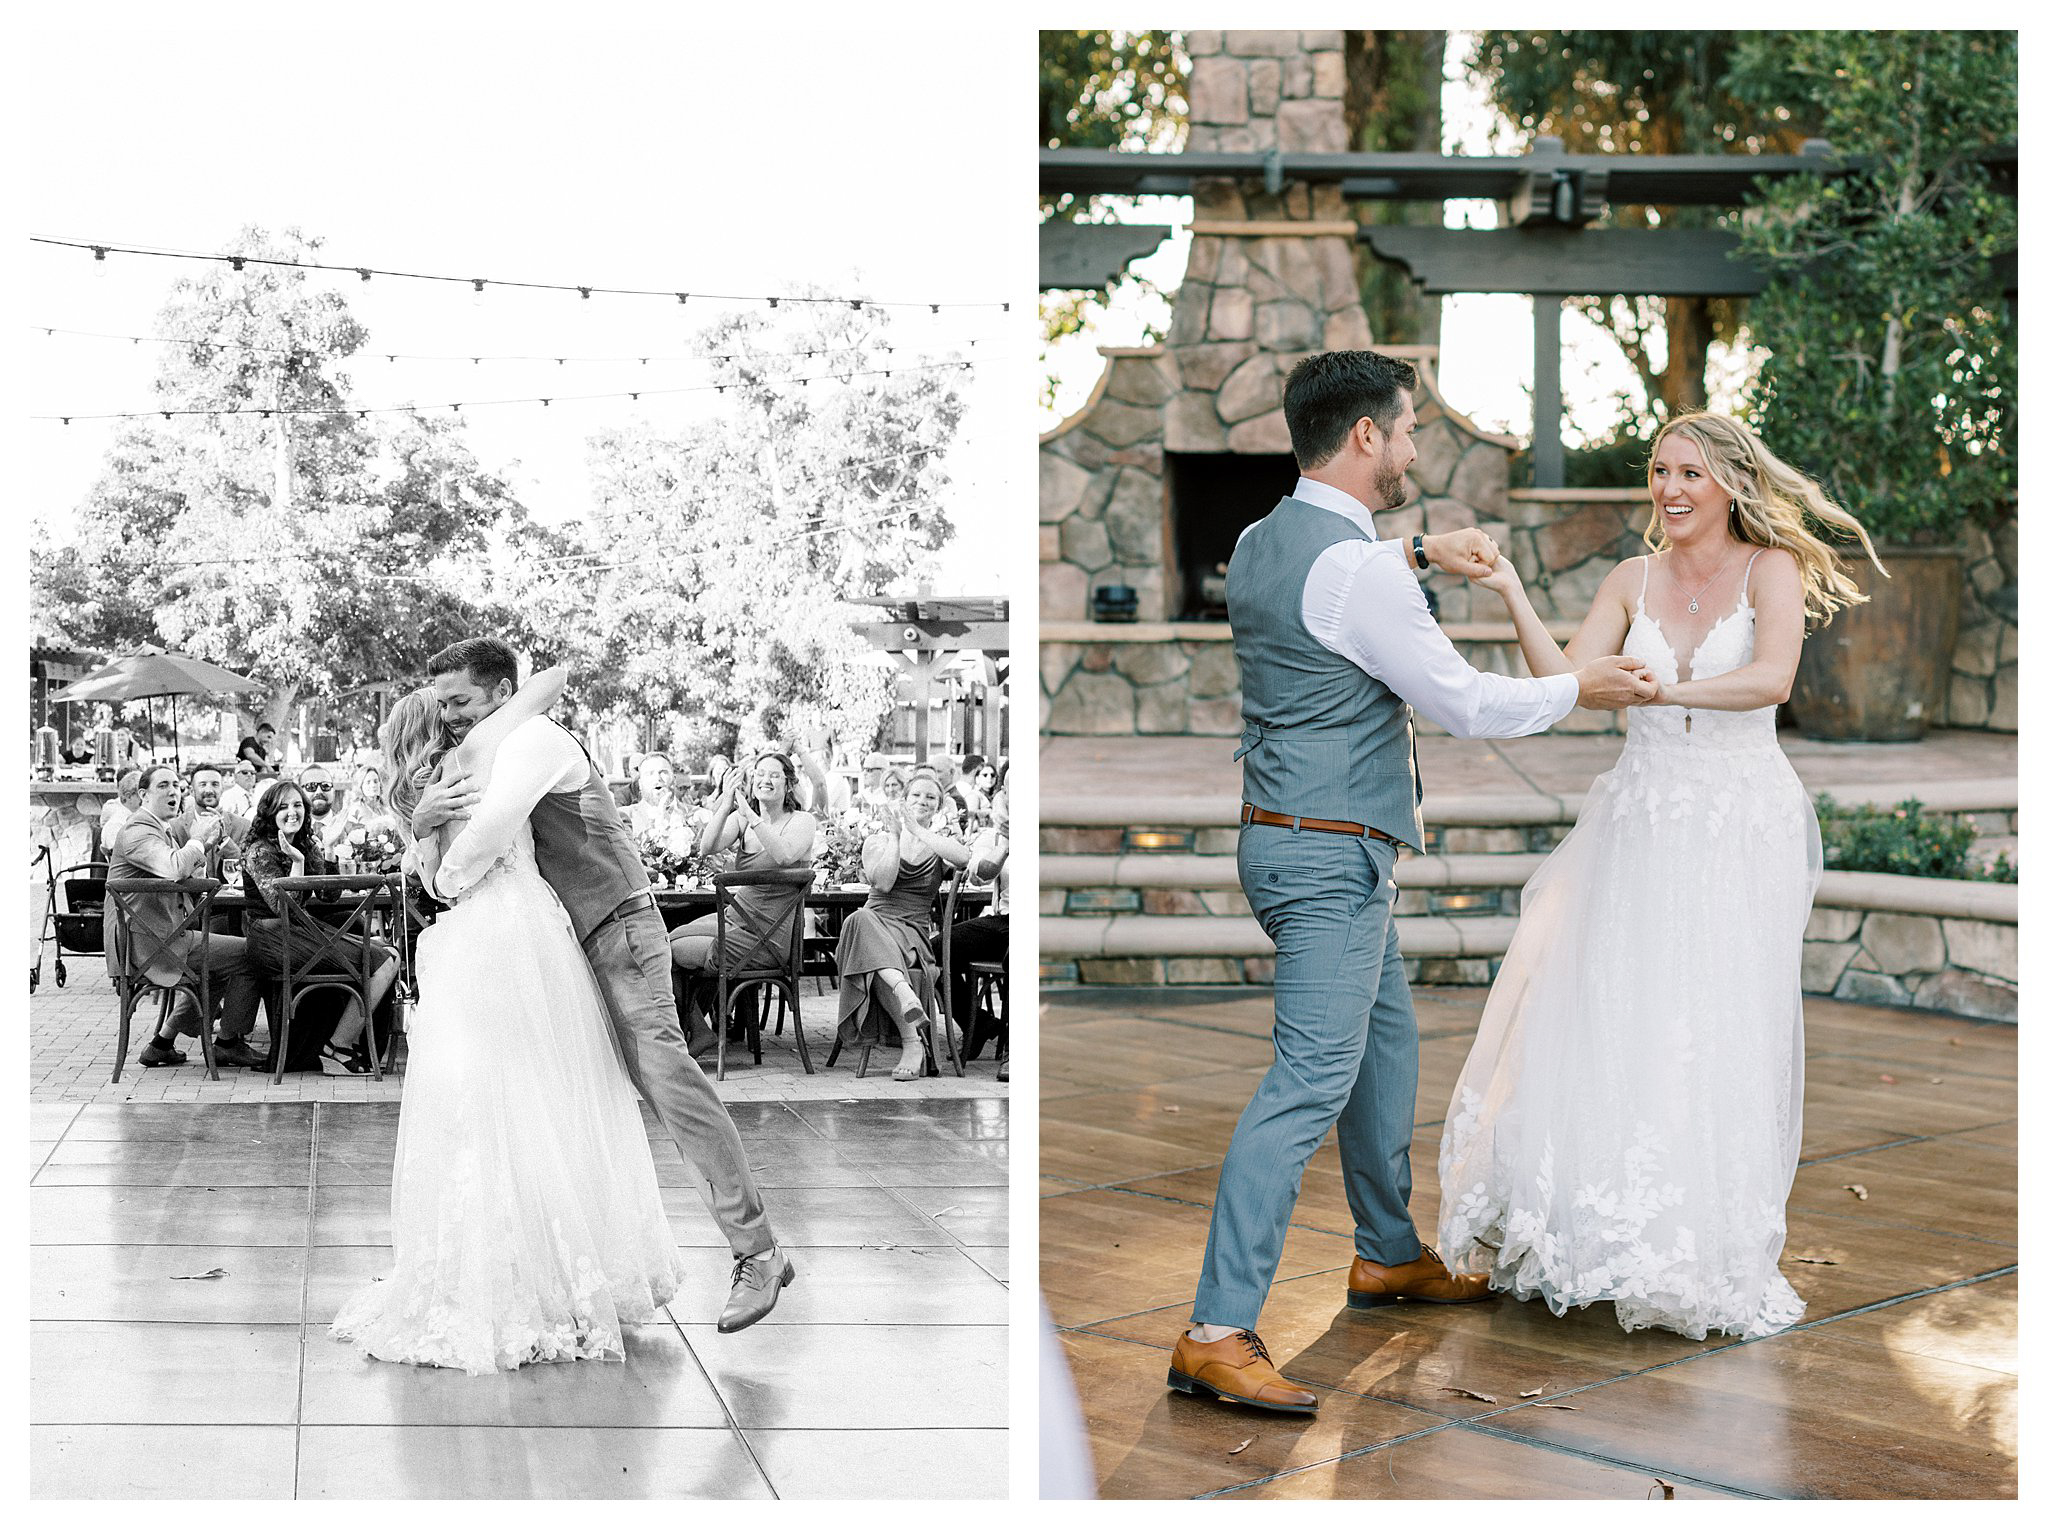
(525, 1219)
(1626, 1127)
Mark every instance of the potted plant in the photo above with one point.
(1890, 370)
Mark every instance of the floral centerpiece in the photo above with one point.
(368, 848)
(659, 854)
(838, 852)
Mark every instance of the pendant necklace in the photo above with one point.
(1692, 603)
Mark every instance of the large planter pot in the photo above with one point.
(1880, 671)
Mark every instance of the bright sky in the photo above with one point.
(1487, 363)
(742, 163)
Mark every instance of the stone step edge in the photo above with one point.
(1871, 891)
(1219, 872)
(1065, 939)
(1066, 810)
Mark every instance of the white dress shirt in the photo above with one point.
(1363, 603)
(536, 758)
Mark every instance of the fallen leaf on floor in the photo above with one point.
(1240, 1445)
(1934, 1081)
(944, 1210)
(1476, 1396)
(1955, 1041)
(1567, 1407)
(1813, 1259)
(1171, 1110)
(215, 1273)
(1669, 1490)
(1858, 1191)
(1886, 1078)
(1537, 1393)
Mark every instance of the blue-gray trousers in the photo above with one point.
(1344, 1051)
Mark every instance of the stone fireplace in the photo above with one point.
(1183, 444)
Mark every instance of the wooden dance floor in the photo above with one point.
(1899, 1383)
(882, 1373)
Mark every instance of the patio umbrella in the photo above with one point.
(157, 672)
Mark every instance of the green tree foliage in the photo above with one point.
(721, 562)
(1891, 364)
(311, 552)
(1104, 90)
(1393, 103)
(1642, 92)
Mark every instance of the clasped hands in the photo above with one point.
(1608, 683)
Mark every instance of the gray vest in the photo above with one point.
(585, 851)
(1322, 738)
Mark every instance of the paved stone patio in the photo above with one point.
(882, 1373)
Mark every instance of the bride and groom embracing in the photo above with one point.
(526, 1224)
(1626, 1126)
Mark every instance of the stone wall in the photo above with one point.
(1959, 966)
(1984, 690)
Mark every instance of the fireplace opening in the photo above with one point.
(1210, 498)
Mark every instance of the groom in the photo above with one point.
(585, 852)
(1335, 643)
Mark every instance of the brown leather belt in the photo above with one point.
(642, 899)
(1320, 825)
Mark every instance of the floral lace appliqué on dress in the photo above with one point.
(1626, 1127)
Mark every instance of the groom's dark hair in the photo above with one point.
(1332, 391)
(486, 658)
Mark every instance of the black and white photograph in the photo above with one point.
(520, 601)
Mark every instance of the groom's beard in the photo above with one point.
(1391, 489)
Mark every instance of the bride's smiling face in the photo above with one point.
(1689, 503)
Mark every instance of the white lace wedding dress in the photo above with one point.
(1626, 1127)
(525, 1219)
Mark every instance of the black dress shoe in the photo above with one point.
(159, 1055)
(234, 1053)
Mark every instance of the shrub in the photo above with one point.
(1902, 840)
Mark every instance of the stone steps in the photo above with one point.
(1127, 898)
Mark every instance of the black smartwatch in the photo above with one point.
(1421, 558)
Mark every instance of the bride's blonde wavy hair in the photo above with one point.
(1771, 504)
(413, 747)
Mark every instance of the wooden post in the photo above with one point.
(1546, 445)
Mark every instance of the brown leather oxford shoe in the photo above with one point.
(1235, 1368)
(1419, 1280)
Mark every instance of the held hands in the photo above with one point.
(1501, 579)
(1617, 681)
(1470, 552)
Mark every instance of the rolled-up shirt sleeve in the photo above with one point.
(1362, 601)
(536, 758)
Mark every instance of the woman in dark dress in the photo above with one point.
(773, 833)
(282, 844)
(891, 933)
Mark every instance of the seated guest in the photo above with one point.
(149, 846)
(891, 933)
(127, 797)
(203, 810)
(316, 784)
(239, 795)
(79, 751)
(985, 938)
(891, 788)
(980, 789)
(364, 809)
(869, 788)
(773, 833)
(282, 843)
(658, 814)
